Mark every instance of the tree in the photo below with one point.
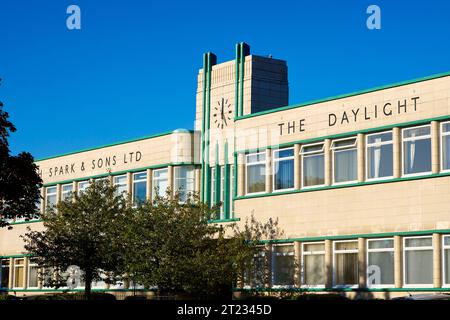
(85, 231)
(172, 246)
(19, 178)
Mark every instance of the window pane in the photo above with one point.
(416, 132)
(284, 174)
(314, 148)
(283, 266)
(314, 269)
(447, 266)
(139, 192)
(33, 276)
(284, 153)
(447, 241)
(314, 247)
(417, 156)
(381, 244)
(380, 268)
(380, 161)
(4, 273)
(346, 268)
(82, 186)
(378, 138)
(345, 165)
(184, 181)
(256, 178)
(418, 242)
(353, 245)
(446, 127)
(160, 182)
(446, 152)
(313, 170)
(344, 143)
(419, 267)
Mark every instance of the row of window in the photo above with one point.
(415, 149)
(32, 279)
(417, 263)
(183, 182)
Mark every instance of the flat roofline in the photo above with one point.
(116, 143)
(346, 95)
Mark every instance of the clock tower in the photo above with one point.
(228, 91)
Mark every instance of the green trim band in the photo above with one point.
(23, 255)
(224, 220)
(366, 236)
(342, 96)
(340, 289)
(73, 290)
(25, 222)
(111, 145)
(115, 173)
(346, 134)
(340, 186)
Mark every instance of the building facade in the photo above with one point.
(359, 183)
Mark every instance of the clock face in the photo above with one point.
(222, 113)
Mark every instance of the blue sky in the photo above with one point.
(131, 70)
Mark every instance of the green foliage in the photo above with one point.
(85, 231)
(172, 247)
(19, 178)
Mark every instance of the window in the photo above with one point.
(231, 195)
(4, 273)
(283, 169)
(254, 276)
(19, 272)
(418, 261)
(379, 155)
(346, 263)
(82, 186)
(184, 181)
(446, 260)
(313, 165)
(380, 262)
(256, 172)
(445, 148)
(213, 186)
(313, 264)
(121, 183)
(51, 197)
(160, 182)
(283, 265)
(416, 150)
(33, 274)
(139, 187)
(345, 161)
(222, 191)
(66, 191)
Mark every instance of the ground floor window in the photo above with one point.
(313, 264)
(33, 274)
(380, 262)
(19, 273)
(418, 261)
(254, 275)
(4, 273)
(283, 265)
(446, 259)
(345, 263)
